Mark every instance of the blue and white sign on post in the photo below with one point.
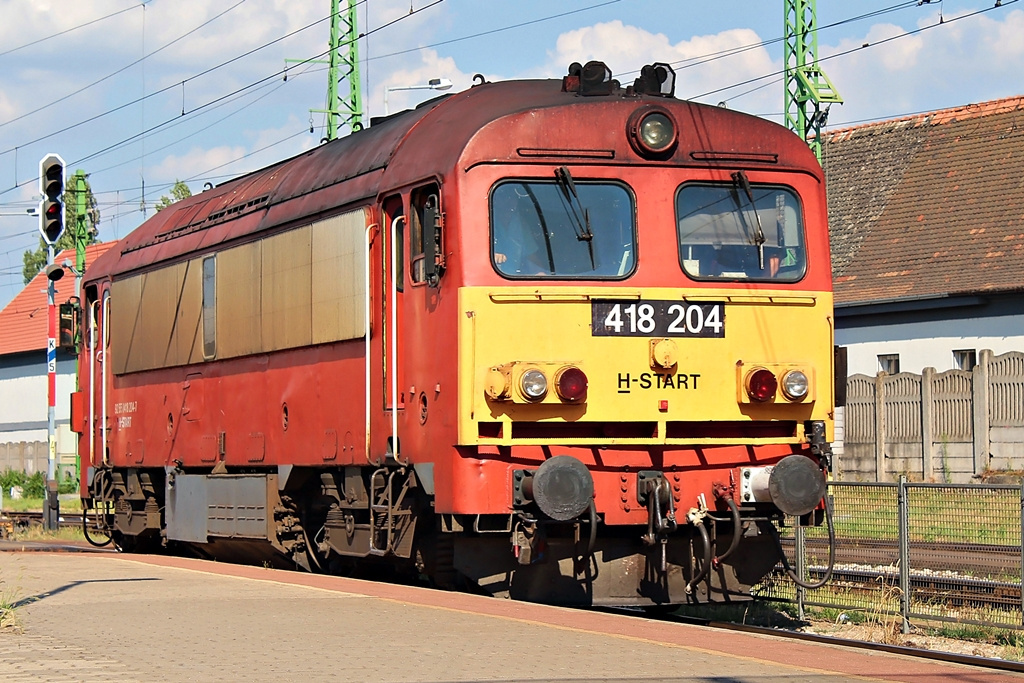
(51, 208)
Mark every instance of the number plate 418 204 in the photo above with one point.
(650, 318)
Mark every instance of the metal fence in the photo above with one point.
(912, 551)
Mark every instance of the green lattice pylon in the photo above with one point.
(342, 65)
(807, 86)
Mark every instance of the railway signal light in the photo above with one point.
(51, 208)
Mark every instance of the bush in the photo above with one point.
(34, 486)
(67, 484)
(11, 478)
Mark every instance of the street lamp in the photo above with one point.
(432, 84)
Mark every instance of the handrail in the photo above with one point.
(92, 340)
(105, 320)
(393, 336)
(366, 329)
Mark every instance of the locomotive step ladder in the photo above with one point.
(387, 515)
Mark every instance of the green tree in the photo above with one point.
(178, 192)
(36, 260)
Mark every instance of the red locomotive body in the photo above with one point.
(564, 341)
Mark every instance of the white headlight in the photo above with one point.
(656, 131)
(534, 384)
(794, 385)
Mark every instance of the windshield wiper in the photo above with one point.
(740, 178)
(543, 226)
(580, 219)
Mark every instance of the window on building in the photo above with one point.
(889, 363)
(965, 359)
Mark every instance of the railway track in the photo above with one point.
(24, 519)
(919, 653)
(943, 588)
(975, 559)
(954, 575)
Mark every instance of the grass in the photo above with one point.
(36, 533)
(36, 504)
(9, 597)
(9, 619)
(947, 515)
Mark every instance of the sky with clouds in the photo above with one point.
(140, 95)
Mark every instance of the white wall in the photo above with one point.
(917, 354)
(24, 403)
(926, 333)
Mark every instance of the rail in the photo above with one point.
(11, 521)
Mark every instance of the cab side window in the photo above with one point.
(426, 237)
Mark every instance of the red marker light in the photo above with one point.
(663, 405)
(571, 384)
(761, 385)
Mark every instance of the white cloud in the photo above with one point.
(953, 63)
(626, 48)
(196, 160)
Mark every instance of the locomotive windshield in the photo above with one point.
(740, 231)
(563, 228)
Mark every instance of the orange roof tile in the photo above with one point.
(928, 205)
(23, 320)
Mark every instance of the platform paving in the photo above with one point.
(89, 617)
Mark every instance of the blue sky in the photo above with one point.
(120, 77)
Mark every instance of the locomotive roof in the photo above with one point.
(358, 166)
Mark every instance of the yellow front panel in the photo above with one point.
(515, 327)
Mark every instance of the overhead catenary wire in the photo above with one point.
(729, 52)
(37, 41)
(864, 46)
(178, 121)
(202, 175)
(173, 86)
(210, 103)
(62, 99)
(692, 62)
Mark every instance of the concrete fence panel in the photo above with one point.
(950, 427)
(858, 459)
(1006, 412)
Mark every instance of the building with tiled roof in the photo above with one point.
(927, 225)
(23, 374)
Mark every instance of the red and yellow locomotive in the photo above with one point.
(563, 341)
